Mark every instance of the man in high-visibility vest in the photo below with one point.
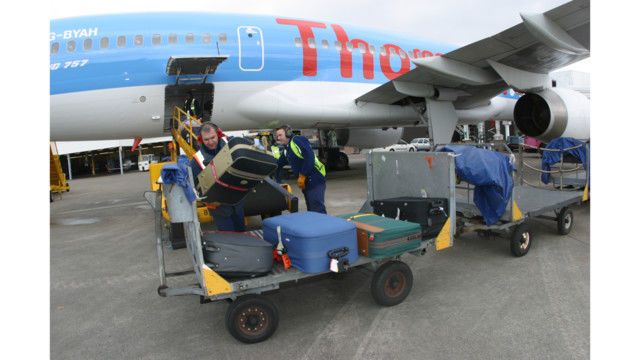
(309, 169)
(226, 217)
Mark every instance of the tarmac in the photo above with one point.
(472, 301)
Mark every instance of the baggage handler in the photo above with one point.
(226, 217)
(304, 164)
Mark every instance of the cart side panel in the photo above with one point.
(412, 174)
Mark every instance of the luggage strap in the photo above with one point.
(218, 181)
(360, 215)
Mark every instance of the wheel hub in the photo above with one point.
(524, 241)
(252, 320)
(395, 284)
(567, 222)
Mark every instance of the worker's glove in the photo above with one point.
(301, 181)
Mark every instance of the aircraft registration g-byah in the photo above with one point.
(119, 76)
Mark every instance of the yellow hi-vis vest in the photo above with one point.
(275, 151)
(316, 162)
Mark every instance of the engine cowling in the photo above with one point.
(553, 113)
(368, 138)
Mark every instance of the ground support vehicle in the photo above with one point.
(253, 317)
(527, 201)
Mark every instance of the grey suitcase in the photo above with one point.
(237, 254)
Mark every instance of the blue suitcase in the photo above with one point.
(309, 236)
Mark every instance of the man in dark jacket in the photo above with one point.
(305, 165)
(226, 217)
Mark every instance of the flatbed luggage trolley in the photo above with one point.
(252, 317)
(526, 202)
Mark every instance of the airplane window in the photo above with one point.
(55, 47)
(71, 46)
(206, 38)
(298, 42)
(362, 48)
(403, 55)
(338, 45)
(173, 38)
(349, 46)
(138, 40)
(383, 51)
(122, 41)
(312, 43)
(104, 42)
(189, 38)
(156, 39)
(372, 49)
(222, 38)
(87, 44)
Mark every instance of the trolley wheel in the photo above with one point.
(565, 221)
(521, 240)
(391, 283)
(252, 318)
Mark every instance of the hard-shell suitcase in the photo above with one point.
(380, 237)
(430, 213)
(237, 254)
(234, 171)
(309, 237)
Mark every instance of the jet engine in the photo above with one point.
(553, 113)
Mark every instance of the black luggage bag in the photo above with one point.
(234, 171)
(430, 213)
(237, 254)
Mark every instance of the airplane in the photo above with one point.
(120, 76)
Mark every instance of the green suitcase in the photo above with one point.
(380, 237)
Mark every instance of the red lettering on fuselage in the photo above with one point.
(385, 61)
(346, 64)
(309, 55)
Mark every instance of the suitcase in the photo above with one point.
(234, 171)
(380, 237)
(236, 254)
(309, 236)
(430, 213)
(269, 198)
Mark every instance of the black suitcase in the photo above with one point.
(430, 213)
(236, 254)
(268, 198)
(234, 171)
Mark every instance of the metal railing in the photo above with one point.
(182, 122)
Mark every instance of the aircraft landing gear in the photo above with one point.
(334, 159)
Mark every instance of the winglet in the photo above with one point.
(552, 35)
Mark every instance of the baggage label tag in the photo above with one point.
(286, 261)
(333, 265)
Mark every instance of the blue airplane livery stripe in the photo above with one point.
(244, 39)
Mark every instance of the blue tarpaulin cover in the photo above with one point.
(551, 157)
(490, 172)
(178, 174)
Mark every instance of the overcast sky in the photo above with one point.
(456, 22)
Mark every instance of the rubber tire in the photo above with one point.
(410, 149)
(257, 304)
(343, 162)
(565, 217)
(517, 238)
(383, 289)
(391, 150)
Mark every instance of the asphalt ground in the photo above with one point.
(472, 301)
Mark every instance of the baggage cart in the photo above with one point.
(527, 201)
(251, 316)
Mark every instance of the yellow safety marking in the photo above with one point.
(360, 215)
(443, 240)
(203, 215)
(214, 283)
(154, 174)
(585, 193)
(516, 213)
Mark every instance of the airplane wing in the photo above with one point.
(520, 58)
